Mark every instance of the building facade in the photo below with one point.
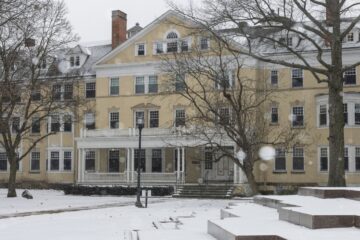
(124, 81)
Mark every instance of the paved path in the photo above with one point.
(74, 209)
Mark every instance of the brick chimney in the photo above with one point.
(119, 23)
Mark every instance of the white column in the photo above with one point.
(79, 165)
(183, 164)
(178, 163)
(127, 164)
(82, 164)
(235, 174)
(132, 164)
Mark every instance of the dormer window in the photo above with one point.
(204, 43)
(286, 41)
(172, 45)
(184, 46)
(75, 61)
(72, 61)
(350, 37)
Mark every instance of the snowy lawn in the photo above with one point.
(53, 200)
(172, 219)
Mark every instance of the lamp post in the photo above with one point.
(140, 124)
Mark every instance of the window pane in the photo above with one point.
(67, 160)
(35, 125)
(114, 120)
(274, 77)
(114, 164)
(180, 82)
(298, 159)
(280, 159)
(357, 159)
(3, 161)
(350, 76)
(54, 161)
(35, 161)
(346, 159)
(55, 123)
(298, 116)
(139, 115)
(56, 92)
(68, 91)
(90, 121)
(204, 43)
(345, 113)
(208, 158)
(153, 84)
(90, 161)
(90, 90)
(297, 77)
(114, 86)
(139, 85)
(67, 123)
(357, 114)
(154, 119)
(142, 160)
(274, 115)
(156, 160)
(323, 159)
(323, 115)
(180, 117)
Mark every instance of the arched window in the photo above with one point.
(172, 44)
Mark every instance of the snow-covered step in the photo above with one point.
(253, 221)
(204, 191)
(331, 192)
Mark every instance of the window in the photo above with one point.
(357, 159)
(350, 76)
(179, 117)
(36, 95)
(35, 125)
(204, 43)
(225, 80)
(114, 164)
(15, 125)
(35, 161)
(156, 160)
(3, 161)
(346, 159)
(357, 114)
(43, 64)
(345, 113)
(56, 92)
(298, 117)
(90, 121)
(90, 90)
(298, 159)
(324, 159)
(138, 115)
(140, 49)
(153, 84)
(176, 159)
(68, 91)
(289, 41)
(77, 61)
(154, 119)
(280, 159)
(114, 86)
(184, 46)
(180, 82)
(90, 161)
(172, 44)
(350, 37)
(55, 123)
(159, 48)
(55, 161)
(72, 61)
(274, 115)
(67, 160)
(67, 123)
(139, 85)
(208, 158)
(142, 160)
(274, 77)
(224, 116)
(114, 120)
(323, 115)
(297, 77)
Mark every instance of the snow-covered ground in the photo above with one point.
(170, 219)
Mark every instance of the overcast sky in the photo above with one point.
(91, 19)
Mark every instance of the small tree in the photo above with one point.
(227, 106)
(30, 39)
(264, 30)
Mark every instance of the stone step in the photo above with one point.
(203, 196)
(330, 192)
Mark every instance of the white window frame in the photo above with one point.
(61, 152)
(200, 43)
(175, 115)
(137, 45)
(85, 119)
(277, 77)
(293, 156)
(298, 76)
(31, 160)
(135, 117)
(149, 117)
(88, 89)
(293, 115)
(110, 117)
(110, 86)
(319, 157)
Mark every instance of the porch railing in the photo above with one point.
(97, 177)
(157, 177)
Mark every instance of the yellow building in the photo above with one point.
(123, 82)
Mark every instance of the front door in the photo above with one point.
(114, 157)
(221, 170)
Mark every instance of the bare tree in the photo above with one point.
(227, 106)
(29, 44)
(263, 30)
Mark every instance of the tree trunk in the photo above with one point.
(336, 107)
(12, 178)
(336, 136)
(248, 170)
